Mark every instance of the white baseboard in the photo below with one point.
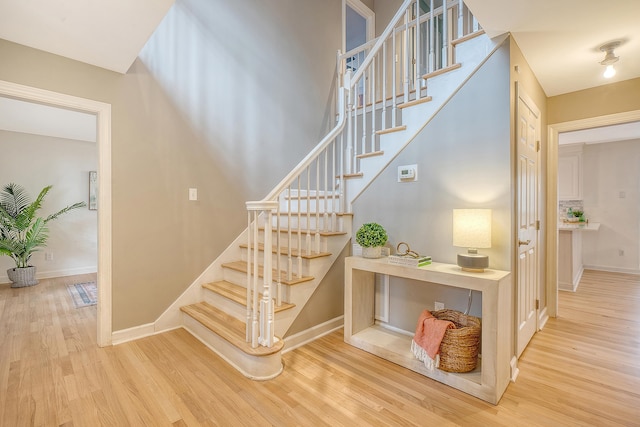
(130, 334)
(514, 369)
(313, 333)
(612, 269)
(543, 317)
(57, 273)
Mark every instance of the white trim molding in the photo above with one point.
(102, 112)
(301, 338)
(552, 191)
(364, 11)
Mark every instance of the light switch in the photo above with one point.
(193, 194)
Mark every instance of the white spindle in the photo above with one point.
(445, 34)
(407, 55)
(460, 18)
(248, 311)
(394, 79)
(416, 68)
(372, 92)
(308, 209)
(289, 239)
(364, 112)
(278, 252)
(299, 257)
(432, 40)
(383, 117)
(254, 286)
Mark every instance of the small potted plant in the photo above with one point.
(578, 214)
(372, 237)
(22, 232)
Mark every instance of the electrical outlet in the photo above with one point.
(48, 256)
(620, 252)
(438, 305)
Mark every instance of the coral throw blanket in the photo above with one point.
(430, 331)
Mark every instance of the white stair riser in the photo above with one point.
(327, 222)
(313, 205)
(225, 304)
(240, 278)
(284, 260)
(257, 368)
(305, 240)
(236, 310)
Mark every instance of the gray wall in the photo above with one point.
(227, 97)
(608, 170)
(35, 161)
(464, 161)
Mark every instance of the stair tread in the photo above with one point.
(391, 130)
(415, 102)
(442, 71)
(241, 266)
(467, 37)
(370, 154)
(304, 213)
(238, 293)
(228, 328)
(305, 231)
(352, 175)
(294, 252)
(320, 195)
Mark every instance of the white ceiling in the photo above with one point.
(108, 34)
(623, 132)
(37, 119)
(559, 39)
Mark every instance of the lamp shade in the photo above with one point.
(472, 228)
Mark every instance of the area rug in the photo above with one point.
(83, 294)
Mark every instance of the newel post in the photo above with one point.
(260, 312)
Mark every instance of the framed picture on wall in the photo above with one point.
(93, 190)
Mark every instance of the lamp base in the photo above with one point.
(474, 263)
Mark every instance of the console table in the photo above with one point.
(490, 379)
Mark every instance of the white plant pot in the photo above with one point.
(22, 277)
(373, 252)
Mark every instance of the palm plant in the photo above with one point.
(22, 232)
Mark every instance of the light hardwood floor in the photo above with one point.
(582, 369)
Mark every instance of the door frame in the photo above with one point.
(102, 111)
(552, 192)
(363, 10)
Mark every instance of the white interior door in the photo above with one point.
(528, 153)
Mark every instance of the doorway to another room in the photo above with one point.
(102, 113)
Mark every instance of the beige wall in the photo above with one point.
(223, 99)
(598, 101)
(385, 10)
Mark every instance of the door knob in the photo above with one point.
(522, 242)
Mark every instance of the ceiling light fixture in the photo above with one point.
(610, 58)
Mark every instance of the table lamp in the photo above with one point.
(472, 230)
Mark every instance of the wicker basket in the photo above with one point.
(459, 348)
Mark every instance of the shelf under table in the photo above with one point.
(489, 380)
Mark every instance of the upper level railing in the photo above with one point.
(374, 82)
(392, 70)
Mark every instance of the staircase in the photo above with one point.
(389, 90)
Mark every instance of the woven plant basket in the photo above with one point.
(459, 348)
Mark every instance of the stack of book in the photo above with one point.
(409, 260)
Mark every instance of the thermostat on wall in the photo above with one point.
(407, 173)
